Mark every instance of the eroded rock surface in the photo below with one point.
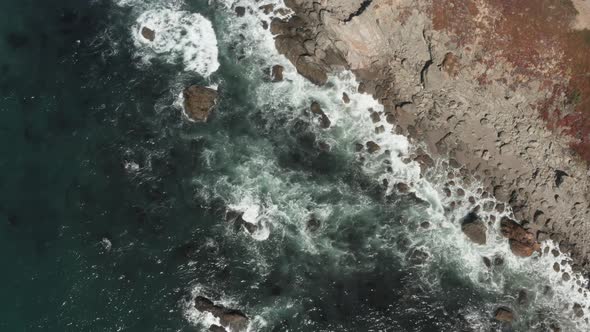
(231, 319)
(476, 82)
(199, 102)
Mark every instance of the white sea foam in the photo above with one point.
(180, 37)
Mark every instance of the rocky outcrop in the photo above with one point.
(276, 73)
(522, 242)
(199, 102)
(474, 228)
(450, 82)
(231, 319)
(504, 315)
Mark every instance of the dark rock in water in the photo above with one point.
(199, 102)
(425, 225)
(313, 224)
(375, 117)
(148, 33)
(267, 9)
(358, 147)
(345, 98)
(578, 311)
(233, 319)
(566, 276)
(474, 228)
(498, 261)
(418, 256)
(487, 262)
(235, 217)
(216, 328)
(402, 187)
(17, 40)
(372, 147)
(317, 110)
(503, 314)
(265, 25)
(240, 11)
(522, 242)
(556, 267)
(424, 160)
(276, 73)
(523, 297)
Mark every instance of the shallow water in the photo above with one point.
(113, 204)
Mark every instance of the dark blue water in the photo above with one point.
(90, 244)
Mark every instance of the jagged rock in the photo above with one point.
(522, 243)
(238, 221)
(474, 228)
(276, 73)
(424, 160)
(503, 314)
(148, 33)
(311, 70)
(372, 147)
(233, 319)
(199, 102)
(487, 262)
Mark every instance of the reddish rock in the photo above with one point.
(199, 102)
(522, 242)
(373, 147)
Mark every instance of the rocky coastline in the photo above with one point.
(487, 111)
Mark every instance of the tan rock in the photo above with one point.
(199, 102)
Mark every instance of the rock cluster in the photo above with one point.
(522, 242)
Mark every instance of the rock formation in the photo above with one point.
(475, 82)
(199, 102)
(231, 319)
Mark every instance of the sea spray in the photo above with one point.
(276, 199)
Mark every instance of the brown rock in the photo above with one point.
(556, 267)
(345, 98)
(402, 187)
(199, 102)
(235, 320)
(267, 9)
(578, 311)
(372, 147)
(522, 242)
(317, 110)
(309, 69)
(276, 73)
(216, 328)
(148, 33)
(474, 228)
(503, 314)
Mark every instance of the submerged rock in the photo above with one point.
(216, 328)
(345, 98)
(503, 314)
(199, 102)
(474, 228)
(232, 319)
(317, 110)
(522, 242)
(240, 11)
(148, 33)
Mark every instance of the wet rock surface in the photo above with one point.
(446, 95)
(199, 102)
(230, 319)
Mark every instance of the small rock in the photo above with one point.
(276, 73)
(566, 276)
(487, 262)
(199, 102)
(358, 147)
(313, 224)
(148, 33)
(504, 315)
(578, 311)
(375, 117)
(233, 319)
(372, 147)
(267, 9)
(379, 130)
(216, 328)
(523, 297)
(402, 187)
(317, 110)
(474, 228)
(556, 267)
(345, 98)
(240, 11)
(425, 225)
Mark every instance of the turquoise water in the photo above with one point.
(113, 204)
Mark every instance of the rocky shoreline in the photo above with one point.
(447, 91)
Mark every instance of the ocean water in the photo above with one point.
(113, 208)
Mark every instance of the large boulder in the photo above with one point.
(276, 73)
(231, 319)
(522, 242)
(148, 33)
(474, 228)
(199, 102)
